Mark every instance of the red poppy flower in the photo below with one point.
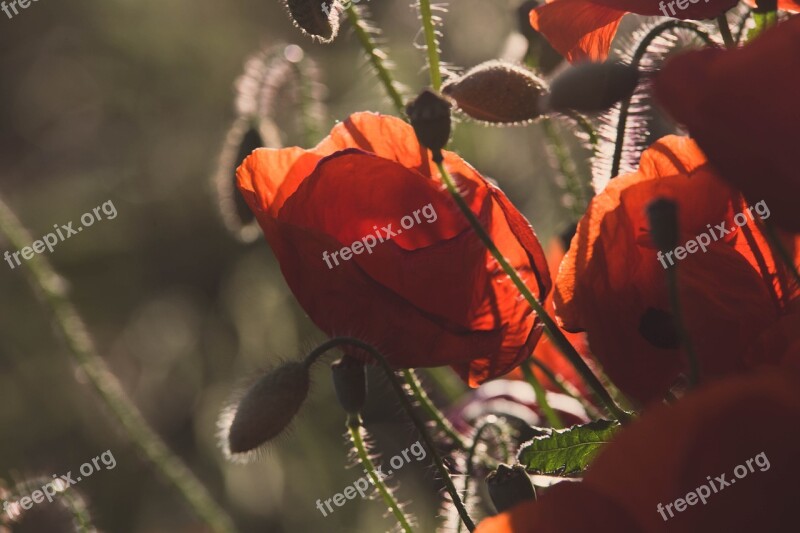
(738, 434)
(612, 282)
(344, 222)
(584, 29)
(742, 108)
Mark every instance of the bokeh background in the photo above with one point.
(130, 101)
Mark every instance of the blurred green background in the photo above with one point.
(130, 101)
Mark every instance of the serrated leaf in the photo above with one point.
(566, 452)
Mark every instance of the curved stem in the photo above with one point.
(677, 313)
(541, 398)
(638, 55)
(426, 15)
(725, 30)
(436, 415)
(412, 414)
(566, 166)
(50, 287)
(355, 430)
(376, 58)
(584, 124)
(550, 327)
(489, 424)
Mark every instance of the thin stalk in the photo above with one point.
(473, 451)
(638, 55)
(775, 242)
(355, 430)
(565, 387)
(584, 124)
(725, 30)
(677, 313)
(432, 46)
(566, 166)
(742, 24)
(376, 58)
(408, 407)
(550, 327)
(49, 286)
(541, 397)
(436, 415)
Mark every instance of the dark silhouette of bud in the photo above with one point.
(663, 216)
(350, 383)
(591, 87)
(265, 410)
(430, 116)
(498, 93)
(316, 18)
(544, 57)
(509, 486)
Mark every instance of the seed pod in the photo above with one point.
(497, 92)
(663, 216)
(590, 87)
(266, 408)
(509, 486)
(350, 383)
(430, 116)
(318, 19)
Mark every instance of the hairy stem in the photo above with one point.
(431, 44)
(541, 397)
(550, 327)
(566, 166)
(410, 411)
(49, 286)
(472, 452)
(376, 58)
(565, 387)
(356, 436)
(436, 415)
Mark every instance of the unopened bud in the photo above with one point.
(266, 408)
(509, 486)
(316, 18)
(430, 116)
(590, 87)
(350, 383)
(498, 93)
(663, 216)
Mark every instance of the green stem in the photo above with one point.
(436, 415)
(550, 327)
(584, 124)
(541, 397)
(566, 166)
(410, 411)
(355, 429)
(638, 55)
(431, 44)
(565, 387)
(775, 242)
(683, 334)
(48, 284)
(473, 451)
(376, 58)
(725, 30)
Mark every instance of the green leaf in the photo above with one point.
(566, 452)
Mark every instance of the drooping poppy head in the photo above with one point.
(613, 284)
(584, 29)
(373, 246)
(742, 108)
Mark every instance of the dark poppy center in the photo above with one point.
(658, 328)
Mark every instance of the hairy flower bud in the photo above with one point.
(509, 486)
(497, 92)
(265, 409)
(350, 383)
(590, 87)
(316, 18)
(430, 117)
(663, 216)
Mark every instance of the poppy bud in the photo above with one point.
(350, 383)
(498, 93)
(509, 486)
(316, 18)
(265, 409)
(430, 116)
(663, 216)
(590, 87)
